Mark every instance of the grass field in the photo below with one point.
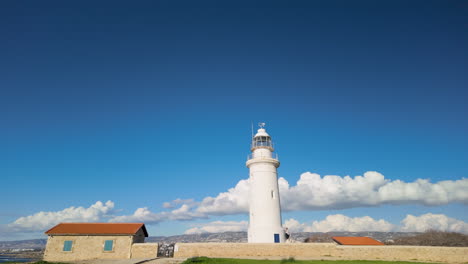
(205, 260)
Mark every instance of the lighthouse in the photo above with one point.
(265, 210)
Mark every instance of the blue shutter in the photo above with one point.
(108, 245)
(67, 245)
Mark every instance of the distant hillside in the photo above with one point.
(23, 244)
(237, 237)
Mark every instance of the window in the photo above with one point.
(108, 245)
(261, 142)
(67, 245)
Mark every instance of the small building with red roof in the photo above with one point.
(357, 241)
(83, 241)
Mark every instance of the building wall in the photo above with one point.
(87, 247)
(144, 250)
(322, 251)
(139, 237)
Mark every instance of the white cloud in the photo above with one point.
(314, 192)
(339, 222)
(44, 220)
(433, 221)
(234, 201)
(295, 226)
(140, 215)
(219, 227)
(311, 192)
(184, 212)
(177, 202)
(411, 223)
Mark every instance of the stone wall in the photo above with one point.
(144, 250)
(87, 247)
(322, 251)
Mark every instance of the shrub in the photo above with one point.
(46, 262)
(288, 260)
(196, 260)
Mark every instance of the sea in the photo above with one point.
(10, 259)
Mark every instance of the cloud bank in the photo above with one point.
(311, 192)
(42, 221)
(433, 221)
(184, 212)
(219, 227)
(339, 222)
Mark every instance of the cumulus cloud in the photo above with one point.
(429, 221)
(219, 227)
(339, 222)
(140, 215)
(314, 192)
(311, 192)
(411, 223)
(234, 201)
(178, 201)
(184, 212)
(44, 220)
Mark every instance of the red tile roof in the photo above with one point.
(97, 229)
(364, 241)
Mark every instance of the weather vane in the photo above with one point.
(261, 125)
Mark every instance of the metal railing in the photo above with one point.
(260, 156)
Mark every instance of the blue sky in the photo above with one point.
(146, 102)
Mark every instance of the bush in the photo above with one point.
(46, 262)
(434, 238)
(288, 260)
(196, 260)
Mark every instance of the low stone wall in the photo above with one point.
(144, 250)
(411, 253)
(322, 251)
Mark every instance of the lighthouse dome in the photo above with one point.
(261, 133)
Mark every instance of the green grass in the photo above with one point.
(205, 260)
(41, 262)
(46, 262)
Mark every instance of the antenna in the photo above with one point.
(251, 123)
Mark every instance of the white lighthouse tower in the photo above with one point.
(265, 210)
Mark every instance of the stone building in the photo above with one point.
(82, 241)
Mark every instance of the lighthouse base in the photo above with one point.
(266, 235)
